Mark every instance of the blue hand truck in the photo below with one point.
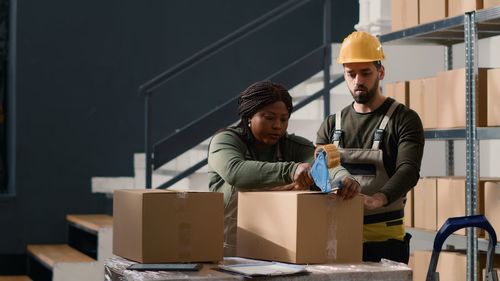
(453, 224)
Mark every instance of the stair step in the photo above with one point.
(91, 223)
(109, 184)
(50, 255)
(14, 278)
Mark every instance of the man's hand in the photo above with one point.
(302, 176)
(375, 201)
(350, 188)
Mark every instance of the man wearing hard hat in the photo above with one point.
(381, 144)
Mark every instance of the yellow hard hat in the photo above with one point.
(360, 46)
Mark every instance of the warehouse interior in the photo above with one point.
(91, 91)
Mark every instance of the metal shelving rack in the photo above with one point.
(467, 29)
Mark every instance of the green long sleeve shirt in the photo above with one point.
(402, 144)
(231, 163)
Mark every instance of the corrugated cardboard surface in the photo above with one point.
(492, 204)
(451, 265)
(299, 227)
(458, 7)
(452, 196)
(155, 226)
(409, 214)
(398, 91)
(490, 3)
(426, 204)
(404, 14)
(423, 99)
(421, 261)
(432, 10)
(493, 94)
(451, 96)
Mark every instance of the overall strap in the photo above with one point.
(337, 133)
(379, 133)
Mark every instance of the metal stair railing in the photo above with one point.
(336, 81)
(162, 152)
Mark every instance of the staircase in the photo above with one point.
(304, 122)
(89, 245)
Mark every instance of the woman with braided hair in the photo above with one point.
(258, 154)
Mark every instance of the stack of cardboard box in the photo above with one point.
(159, 226)
(410, 13)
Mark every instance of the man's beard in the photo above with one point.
(365, 97)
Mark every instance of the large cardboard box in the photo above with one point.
(423, 99)
(158, 226)
(451, 265)
(490, 3)
(452, 199)
(398, 91)
(299, 227)
(452, 96)
(421, 261)
(404, 14)
(409, 214)
(432, 10)
(459, 7)
(425, 202)
(493, 97)
(492, 204)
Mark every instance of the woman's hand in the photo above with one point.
(350, 188)
(302, 177)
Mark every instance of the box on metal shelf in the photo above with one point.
(459, 7)
(423, 99)
(492, 204)
(301, 227)
(432, 10)
(157, 226)
(425, 202)
(493, 93)
(404, 14)
(451, 265)
(452, 199)
(451, 98)
(398, 91)
(490, 3)
(409, 214)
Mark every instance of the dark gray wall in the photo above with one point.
(78, 68)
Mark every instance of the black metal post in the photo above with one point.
(148, 116)
(327, 44)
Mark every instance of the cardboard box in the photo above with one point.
(421, 261)
(432, 10)
(404, 14)
(425, 202)
(460, 7)
(159, 226)
(490, 3)
(452, 196)
(299, 227)
(451, 265)
(493, 97)
(398, 91)
(492, 204)
(452, 96)
(423, 99)
(409, 215)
